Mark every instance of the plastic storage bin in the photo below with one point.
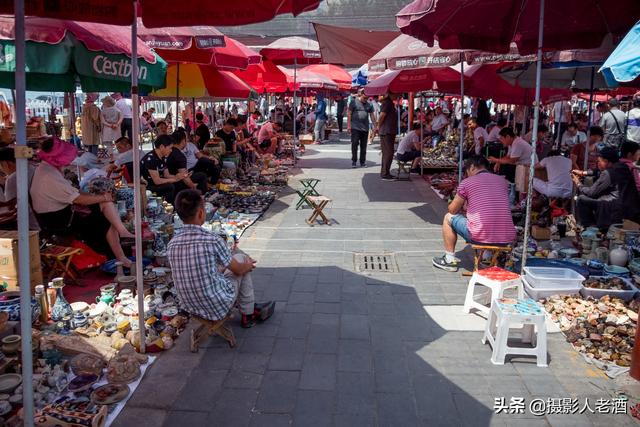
(623, 295)
(541, 293)
(553, 278)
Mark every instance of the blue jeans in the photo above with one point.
(459, 225)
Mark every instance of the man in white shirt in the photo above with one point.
(561, 117)
(409, 148)
(126, 109)
(519, 154)
(633, 122)
(480, 136)
(571, 137)
(613, 123)
(440, 121)
(559, 183)
(494, 134)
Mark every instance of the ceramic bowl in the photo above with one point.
(79, 307)
(9, 382)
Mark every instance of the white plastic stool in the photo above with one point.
(495, 278)
(526, 312)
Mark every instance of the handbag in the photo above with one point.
(618, 138)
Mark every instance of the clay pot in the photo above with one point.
(11, 344)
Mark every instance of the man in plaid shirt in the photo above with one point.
(208, 279)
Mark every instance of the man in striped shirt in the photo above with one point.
(488, 218)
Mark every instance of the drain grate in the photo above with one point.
(383, 263)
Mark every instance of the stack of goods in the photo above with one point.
(444, 184)
(602, 330)
(445, 153)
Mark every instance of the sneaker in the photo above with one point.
(363, 165)
(264, 311)
(247, 321)
(353, 165)
(441, 263)
(388, 178)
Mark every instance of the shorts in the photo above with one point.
(460, 226)
(408, 156)
(522, 176)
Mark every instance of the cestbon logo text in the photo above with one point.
(120, 68)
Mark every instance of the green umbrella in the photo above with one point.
(61, 54)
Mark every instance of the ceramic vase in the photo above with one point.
(618, 256)
(61, 308)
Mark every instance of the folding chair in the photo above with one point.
(318, 203)
(208, 328)
(58, 260)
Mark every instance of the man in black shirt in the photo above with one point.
(153, 168)
(228, 135)
(177, 164)
(202, 131)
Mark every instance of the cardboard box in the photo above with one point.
(630, 225)
(9, 259)
(305, 139)
(540, 233)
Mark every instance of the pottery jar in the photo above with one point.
(618, 256)
(11, 344)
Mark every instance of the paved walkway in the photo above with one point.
(348, 349)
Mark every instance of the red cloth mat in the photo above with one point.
(91, 281)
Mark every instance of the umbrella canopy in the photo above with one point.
(290, 50)
(163, 13)
(309, 79)
(350, 46)
(59, 53)
(623, 65)
(334, 72)
(491, 25)
(406, 52)
(484, 82)
(202, 82)
(415, 80)
(554, 75)
(265, 77)
(181, 38)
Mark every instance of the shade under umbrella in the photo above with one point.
(491, 25)
(554, 76)
(445, 80)
(164, 13)
(202, 82)
(60, 53)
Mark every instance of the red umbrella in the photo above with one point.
(415, 80)
(406, 52)
(334, 72)
(202, 82)
(293, 50)
(484, 82)
(265, 77)
(310, 80)
(490, 25)
(163, 13)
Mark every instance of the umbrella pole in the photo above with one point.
(461, 149)
(586, 145)
(22, 163)
(421, 135)
(135, 142)
(295, 101)
(72, 116)
(306, 127)
(177, 92)
(534, 136)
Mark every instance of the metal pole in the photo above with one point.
(534, 135)
(22, 164)
(559, 137)
(295, 112)
(177, 93)
(137, 199)
(586, 144)
(72, 116)
(421, 135)
(461, 148)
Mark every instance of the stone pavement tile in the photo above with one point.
(143, 417)
(384, 309)
(415, 327)
(330, 274)
(354, 326)
(149, 395)
(305, 284)
(294, 325)
(355, 420)
(356, 383)
(233, 408)
(354, 356)
(354, 288)
(355, 404)
(318, 372)
(301, 298)
(270, 420)
(217, 358)
(473, 384)
(322, 339)
(544, 387)
(328, 292)
(327, 307)
(288, 354)
(434, 399)
(278, 392)
(474, 410)
(354, 303)
(314, 408)
(266, 329)
(250, 362)
(193, 418)
(200, 390)
(325, 319)
(241, 379)
(393, 381)
(299, 308)
(619, 420)
(257, 344)
(569, 420)
(379, 294)
(276, 292)
(396, 409)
